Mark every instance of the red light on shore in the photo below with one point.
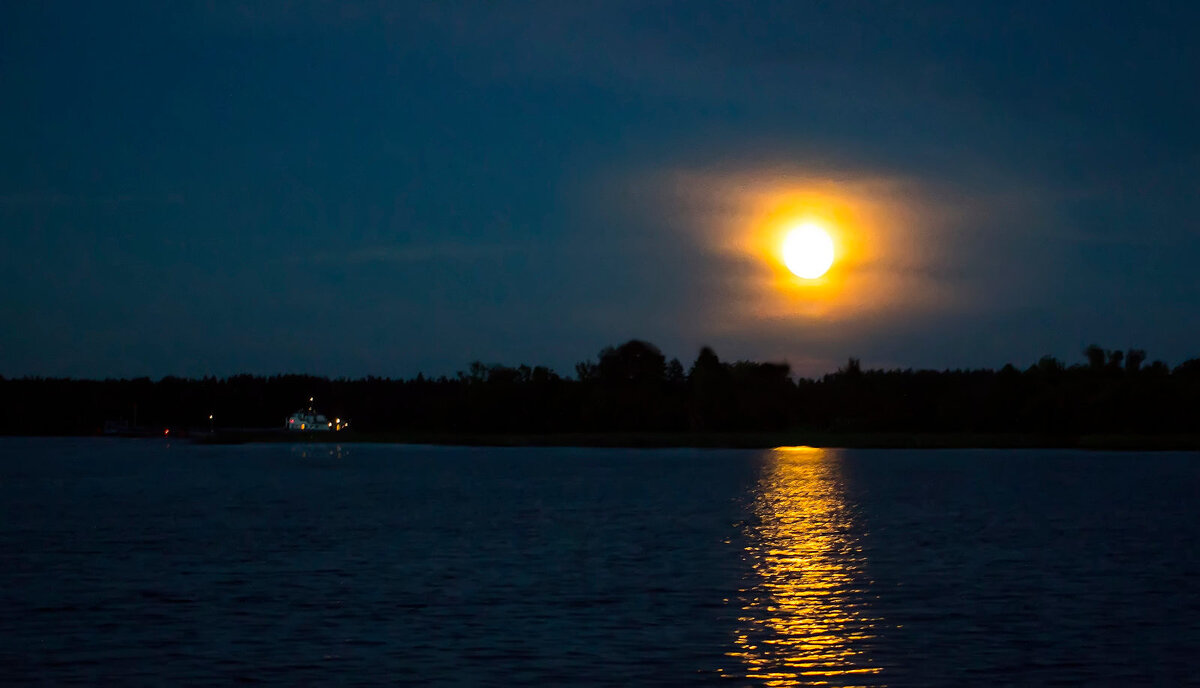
(166, 432)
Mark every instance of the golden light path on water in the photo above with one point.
(803, 618)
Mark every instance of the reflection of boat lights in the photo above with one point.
(803, 616)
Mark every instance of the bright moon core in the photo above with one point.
(808, 251)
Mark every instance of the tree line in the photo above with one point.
(634, 388)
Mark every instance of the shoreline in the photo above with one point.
(684, 440)
(765, 440)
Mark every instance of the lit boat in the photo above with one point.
(308, 420)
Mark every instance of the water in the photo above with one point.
(142, 562)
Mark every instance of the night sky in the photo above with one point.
(345, 188)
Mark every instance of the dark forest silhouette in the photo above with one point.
(634, 388)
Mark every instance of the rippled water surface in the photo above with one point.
(142, 562)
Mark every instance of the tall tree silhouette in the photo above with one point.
(1134, 359)
(711, 392)
(632, 383)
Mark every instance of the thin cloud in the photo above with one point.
(457, 251)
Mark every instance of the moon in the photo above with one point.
(808, 251)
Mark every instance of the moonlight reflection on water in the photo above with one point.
(804, 617)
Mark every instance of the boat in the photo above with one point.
(308, 420)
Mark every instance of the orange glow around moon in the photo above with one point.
(810, 243)
(797, 248)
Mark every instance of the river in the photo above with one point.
(148, 562)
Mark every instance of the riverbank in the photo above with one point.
(767, 440)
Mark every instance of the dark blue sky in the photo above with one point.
(376, 188)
